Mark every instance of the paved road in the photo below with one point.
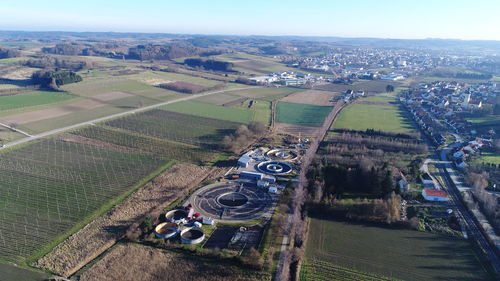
(92, 122)
(467, 217)
(306, 162)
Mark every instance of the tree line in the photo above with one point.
(6, 53)
(54, 79)
(51, 62)
(243, 136)
(209, 64)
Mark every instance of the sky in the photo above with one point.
(408, 19)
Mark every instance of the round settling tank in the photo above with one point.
(166, 230)
(176, 216)
(275, 167)
(193, 235)
(232, 199)
(282, 154)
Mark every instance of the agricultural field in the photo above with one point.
(12, 60)
(394, 253)
(252, 64)
(368, 86)
(206, 133)
(7, 135)
(211, 111)
(269, 94)
(157, 77)
(146, 144)
(380, 99)
(220, 99)
(486, 123)
(108, 84)
(313, 97)
(387, 117)
(50, 187)
(16, 273)
(32, 99)
(313, 269)
(301, 114)
(489, 157)
(260, 107)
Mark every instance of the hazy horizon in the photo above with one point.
(387, 19)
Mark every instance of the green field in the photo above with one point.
(32, 99)
(317, 270)
(219, 99)
(396, 253)
(48, 187)
(380, 98)
(269, 94)
(489, 157)
(12, 60)
(211, 111)
(301, 114)
(486, 123)
(389, 118)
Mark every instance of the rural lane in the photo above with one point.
(306, 162)
(121, 114)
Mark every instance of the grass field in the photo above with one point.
(380, 98)
(396, 253)
(12, 60)
(269, 94)
(301, 114)
(489, 157)
(211, 111)
(32, 99)
(389, 118)
(219, 99)
(48, 187)
(486, 123)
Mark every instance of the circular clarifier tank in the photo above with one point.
(193, 235)
(282, 154)
(176, 216)
(166, 230)
(275, 167)
(232, 199)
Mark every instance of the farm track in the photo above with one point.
(113, 116)
(306, 162)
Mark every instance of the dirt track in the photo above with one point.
(300, 190)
